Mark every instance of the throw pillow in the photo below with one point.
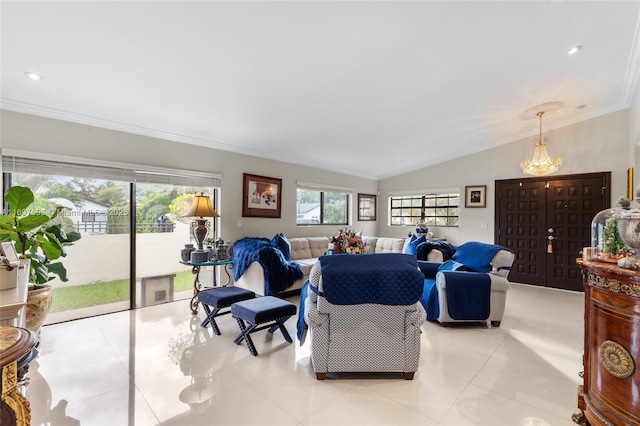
(476, 255)
(280, 242)
(412, 247)
(407, 241)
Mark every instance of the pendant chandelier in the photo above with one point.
(541, 163)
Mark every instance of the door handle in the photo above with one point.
(550, 245)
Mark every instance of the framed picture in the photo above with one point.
(366, 207)
(9, 251)
(261, 196)
(475, 196)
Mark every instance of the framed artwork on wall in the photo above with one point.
(366, 207)
(475, 196)
(261, 196)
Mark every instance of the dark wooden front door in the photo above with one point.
(547, 222)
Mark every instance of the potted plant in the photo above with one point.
(38, 243)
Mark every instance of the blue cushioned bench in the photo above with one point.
(268, 310)
(215, 299)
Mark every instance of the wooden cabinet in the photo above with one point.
(16, 345)
(610, 394)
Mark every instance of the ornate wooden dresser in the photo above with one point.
(610, 393)
(16, 345)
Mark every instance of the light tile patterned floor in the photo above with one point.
(153, 365)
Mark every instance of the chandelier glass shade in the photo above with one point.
(541, 163)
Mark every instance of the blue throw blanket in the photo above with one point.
(477, 255)
(447, 249)
(468, 295)
(301, 324)
(429, 299)
(279, 274)
(383, 278)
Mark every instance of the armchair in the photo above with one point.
(471, 287)
(363, 314)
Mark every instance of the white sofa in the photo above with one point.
(306, 250)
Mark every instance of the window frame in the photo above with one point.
(420, 205)
(323, 190)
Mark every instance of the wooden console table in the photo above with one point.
(609, 394)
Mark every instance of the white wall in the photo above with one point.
(634, 134)
(43, 135)
(596, 145)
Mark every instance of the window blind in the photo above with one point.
(323, 187)
(114, 171)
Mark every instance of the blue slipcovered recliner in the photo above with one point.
(363, 314)
(471, 287)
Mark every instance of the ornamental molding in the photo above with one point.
(617, 360)
(614, 286)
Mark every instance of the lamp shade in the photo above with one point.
(201, 207)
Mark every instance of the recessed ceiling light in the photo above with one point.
(33, 76)
(574, 50)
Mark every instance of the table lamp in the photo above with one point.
(201, 207)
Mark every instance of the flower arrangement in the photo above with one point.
(347, 241)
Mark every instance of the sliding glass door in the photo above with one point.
(107, 269)
(98, 263)
(161, 233)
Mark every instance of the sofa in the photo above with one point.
(305, 251)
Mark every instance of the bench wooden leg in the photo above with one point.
(321, 376)
(408, 375)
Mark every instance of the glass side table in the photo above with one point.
(197, 287)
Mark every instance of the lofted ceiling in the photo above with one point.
(371, 89)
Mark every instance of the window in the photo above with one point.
(319, 205)
(434, 209)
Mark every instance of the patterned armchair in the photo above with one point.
(363, 314)
(472, 287)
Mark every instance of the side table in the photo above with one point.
(197, 286)
(13, 301)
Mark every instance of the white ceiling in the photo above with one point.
(372, 89)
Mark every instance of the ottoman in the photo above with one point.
(215, 299)
(260, 313)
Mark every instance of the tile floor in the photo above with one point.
(157, 366)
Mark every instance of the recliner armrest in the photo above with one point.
(498, 283)
(441, 277)
(429, 269)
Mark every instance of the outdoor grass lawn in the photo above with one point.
(82, 296)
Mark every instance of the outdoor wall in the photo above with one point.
(49, 136)
(597, 145)
(106, 257)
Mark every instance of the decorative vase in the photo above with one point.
(185, 253)
(629, 229)
(38, 306)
